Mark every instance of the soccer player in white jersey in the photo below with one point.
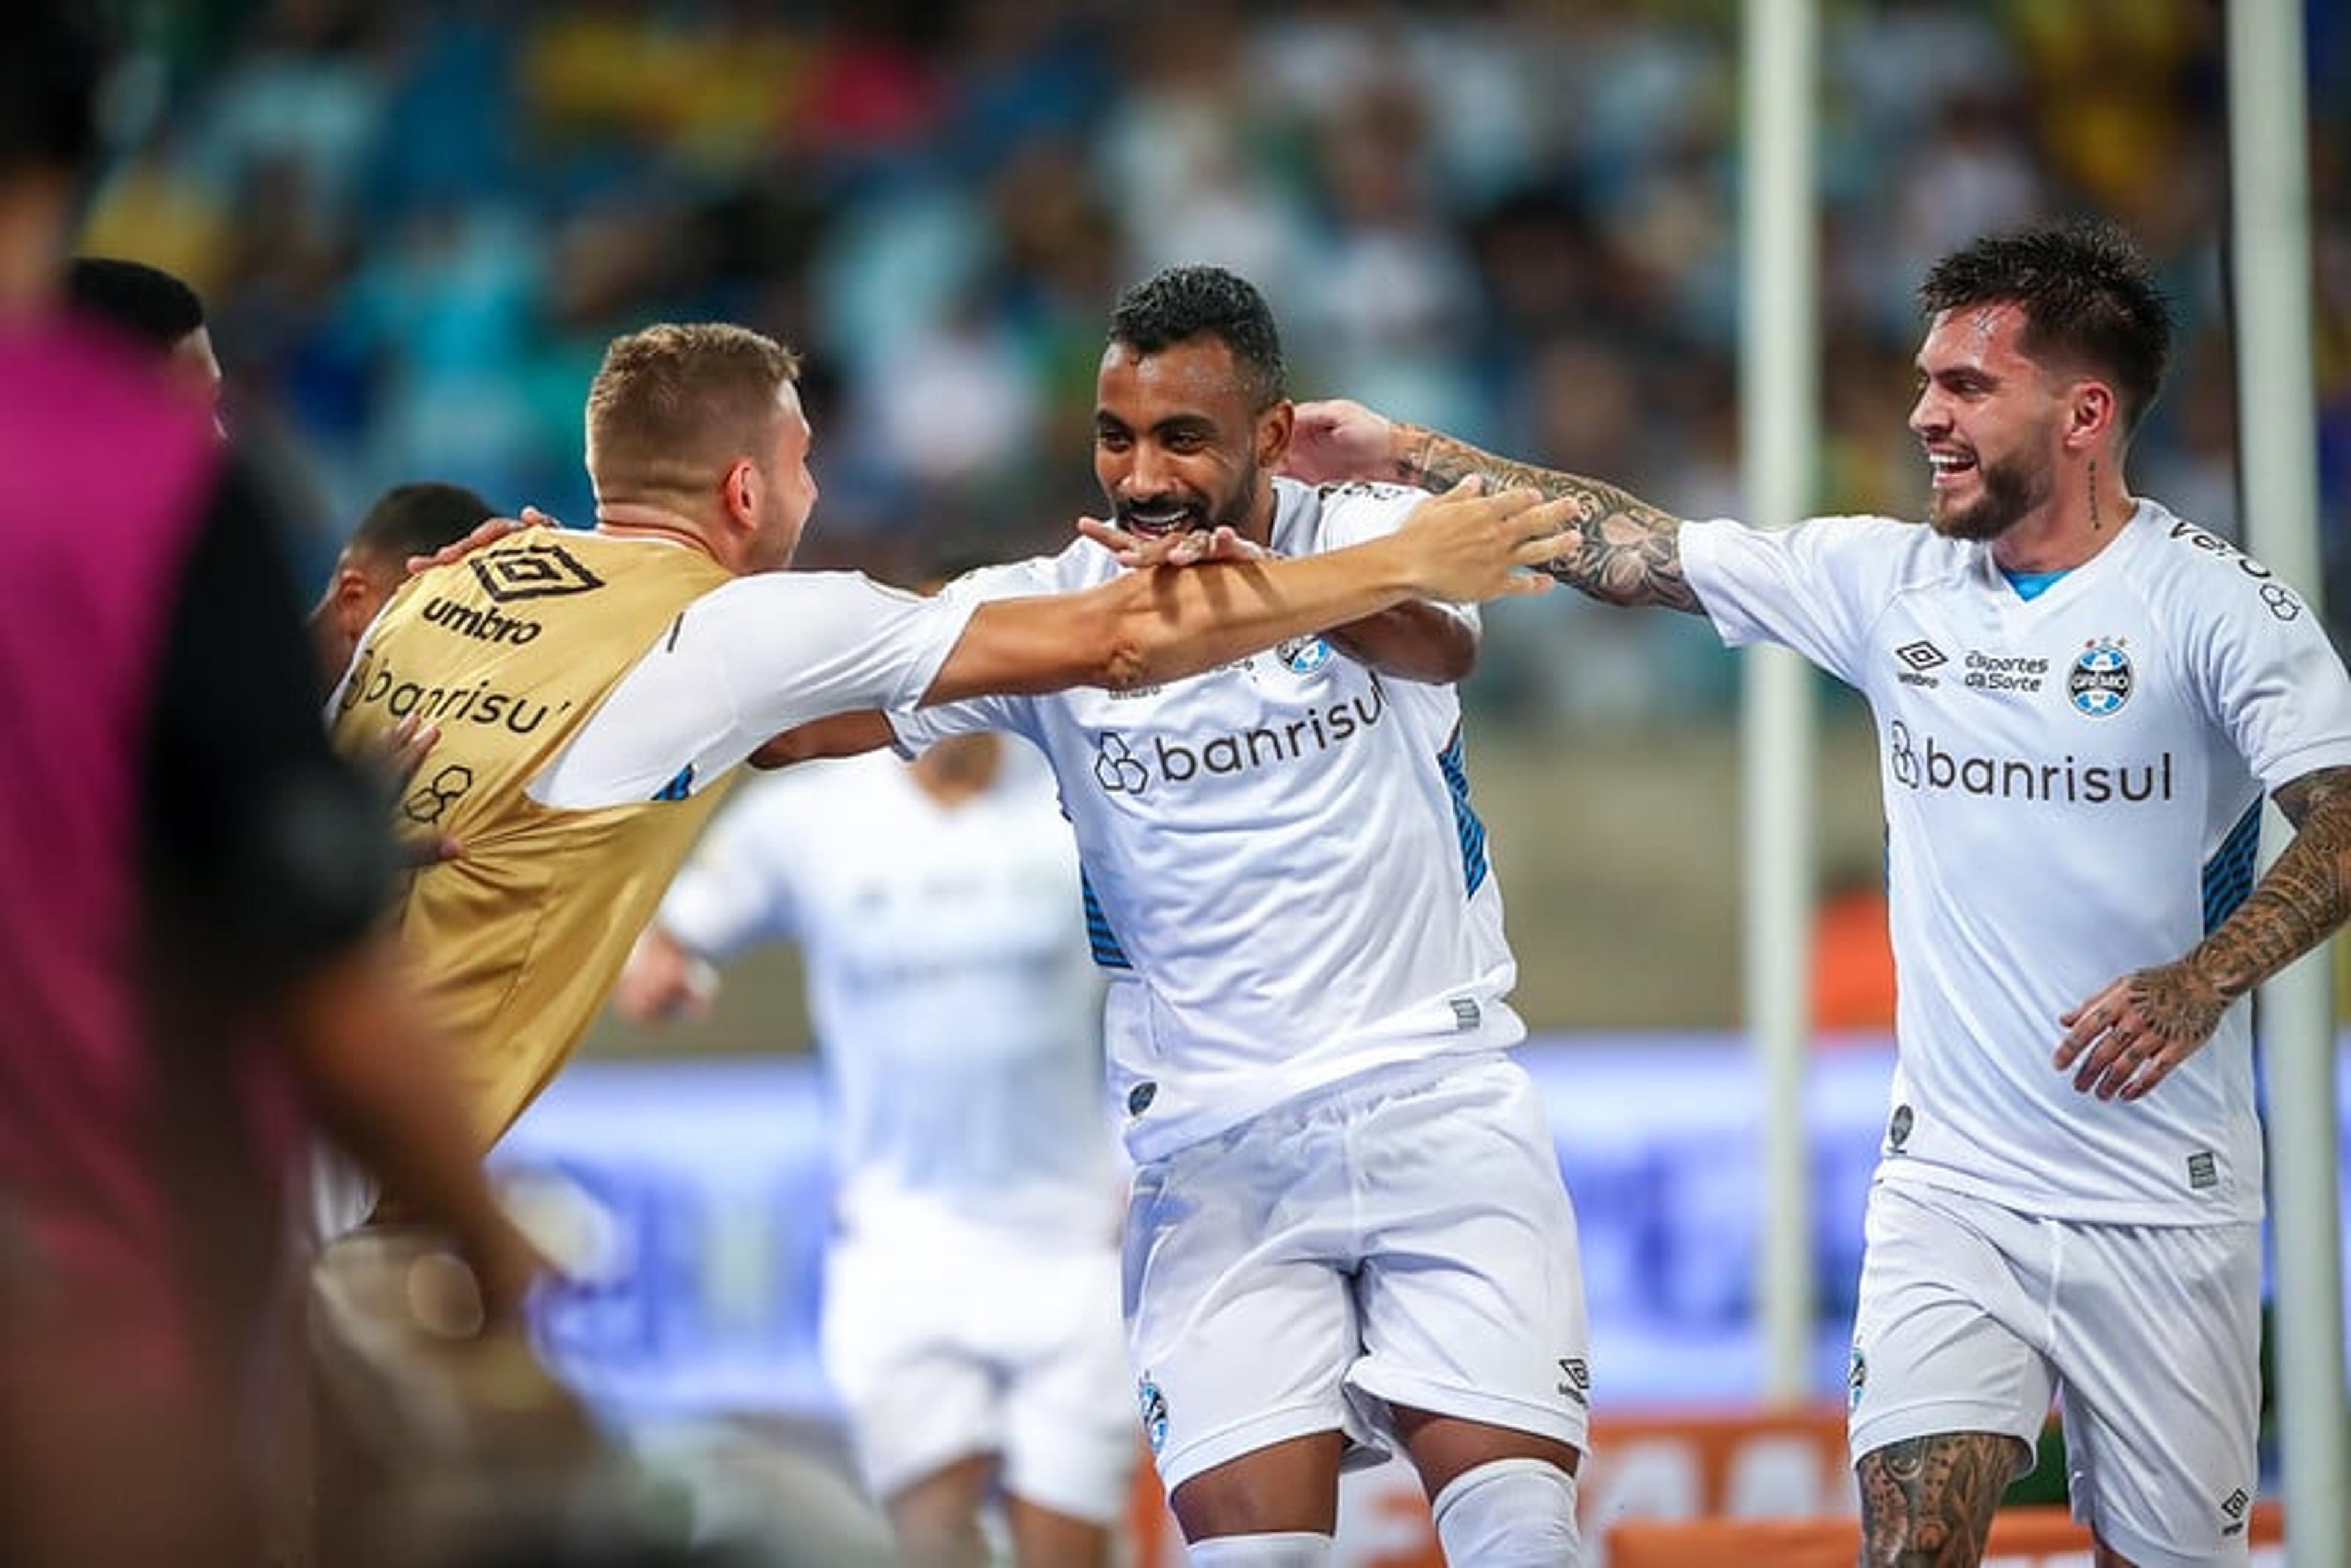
(971, 1318)
(1347, 1231)
(2083, 700)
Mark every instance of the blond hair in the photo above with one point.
(674, 406)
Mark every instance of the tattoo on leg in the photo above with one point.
(1928, 1502)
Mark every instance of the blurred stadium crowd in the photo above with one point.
(418, 226)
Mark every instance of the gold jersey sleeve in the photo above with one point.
(510, 652)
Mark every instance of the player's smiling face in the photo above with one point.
(1179, 443)
(1989, 420)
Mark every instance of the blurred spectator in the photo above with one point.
(443, 214)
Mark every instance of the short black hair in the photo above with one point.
(151, 304)
(1181, 303)
(53, 60)
(418, 520)
(2088, 295)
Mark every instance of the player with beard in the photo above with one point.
(1347, 1231)
(2083, 700)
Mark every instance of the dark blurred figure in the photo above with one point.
(406, 520)
(157, 309)
(189, 886)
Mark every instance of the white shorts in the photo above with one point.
(942, 1352)
(1401, 1238)
(1971, 1315)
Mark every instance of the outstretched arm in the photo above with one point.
(1620, 549)
(2131, 1034)
(1149, 626)
(1414, 641)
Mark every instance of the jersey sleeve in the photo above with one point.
(1358, 513)
(920, 729)
(2273, 680)
(736, 890)
(1810, 587)
(747, 661)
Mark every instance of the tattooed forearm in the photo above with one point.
(1928, 1502)
(1619, 550)
(2303, 899)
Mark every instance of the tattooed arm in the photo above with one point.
(1617, 548)
(2128, 1036)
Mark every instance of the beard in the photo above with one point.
(2012, 487)
(1198, 513)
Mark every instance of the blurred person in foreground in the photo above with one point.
(2084, 700)
(970, 1317)
(1348, 1234)
(189, 889)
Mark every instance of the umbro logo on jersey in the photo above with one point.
(1575, 1379)
(531, 571)
(1131, 768)
(1922, 655)
(1917, 658)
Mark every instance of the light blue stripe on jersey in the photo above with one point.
(1466, 825)
(2229, 875)
(2031, 585)
(1099, 935)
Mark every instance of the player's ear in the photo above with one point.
(2092, 410)
(353, 599)
(739, 494)
(1275, 427)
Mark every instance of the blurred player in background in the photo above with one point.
(406, 522)
(189, 886)
(157, 309)
(2083, 699)
(1348, 1231)
(971, 1318)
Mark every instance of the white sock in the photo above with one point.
(1509, 1513)
(1292, 1549)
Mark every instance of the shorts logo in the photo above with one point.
(1139, 1098)
(2203, 1170)
(1303, 655)
(2100, 680)
(1897, 1130)
(1575, 1379)
(533, 571)
(2234, 1505)
(1154, 1405)
(1856, 1378)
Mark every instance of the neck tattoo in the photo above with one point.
(2094, 523)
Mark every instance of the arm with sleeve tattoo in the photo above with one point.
(2129, 1035)
(1622, 550)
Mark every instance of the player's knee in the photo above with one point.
(1289, 1548)
(1509, 1513)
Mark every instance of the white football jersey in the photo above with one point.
(2072, 790)
(1284, 876)
(957, 1013)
